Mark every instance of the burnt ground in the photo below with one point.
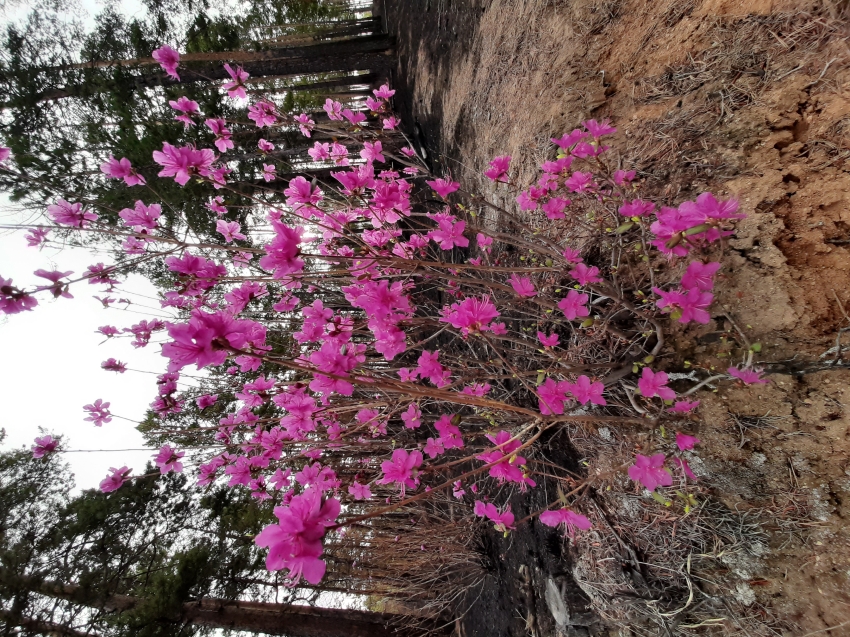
(741, 98)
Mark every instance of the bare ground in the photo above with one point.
(744, 98)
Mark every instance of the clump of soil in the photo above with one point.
(740, 98)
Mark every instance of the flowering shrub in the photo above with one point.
(378, 339)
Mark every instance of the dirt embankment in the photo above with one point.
(748, 98)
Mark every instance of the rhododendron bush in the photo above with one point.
(376, 341)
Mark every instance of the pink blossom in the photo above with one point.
(569, 139)
(5, 152)
(684, 406)
(98, 274)
(569, 519)
(689, 306)
(700, 275)
(637, 208)
(584, 391)
(434, 448)
(355, 117)
(502, 521)
(122, 169)
(333, 109)
(450, 436)
(412, 417)
(295, 542)
(748, 376)
(168, 59)
(384, 92)
(205, 339)
(457, 489)
(390, 123)
(98, 413)
(168, 459)
(222, 134)
(554, 207)
(115, 479)
(355, 182)
(599, 129)
(108, 330)
(263, 114)
(305, 124)
(282, 253)
(650, 471)
(483, 241)
(449, 234)
(184, 162)
(141, 216)
(510, 467)
(57, 289)
(572, 255)
(622, 177)
(585, 275)
(320, 151)
(187, 107)
(547, 341)
(551, 396)
(443, 187)
(580, 182)
(44, 446)
(574, 305)
(522, 285)
(235, 87)
(686, 442)
(526, 201)
(372, 152)
(360, 491)
(407, 151)
(36, 236)
(207, 400)
(68, 214)
(498, 170)
(471, 315)
(402, 469)
(476, 389)
(112, 365)
(655, 384)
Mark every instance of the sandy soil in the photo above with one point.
(745, 98)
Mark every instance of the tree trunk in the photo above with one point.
(369, 53)
(40, 626)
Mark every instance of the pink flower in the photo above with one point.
(390, 123)
(691, 306)
(168, 59)
(650, 471)
(263, 114)
(748, 376)
(522, 286)
(36, 237)
(572, 255)
(44, 446)
(181, 163)
(222, 134)
(360, 491)
(585, 275)
(384, 92)
(700, 275)
(141, 216)
(686, 442)
(115, 479)
(498, 170)
(569, 139)
(502, 521)
(236, 86)
(510, 465)
(355, 117)
(333, 109)
(282, 253)
(450, 436)
(320, 151)
(412, 417)
(684, 406)
(547, 341)
(483, 241)
(637, 208)
(70, 214)
(471, 315)
(584, 391)
(655, 384)
(295, 542)
(265, 146)
(449, 234)
(208, 400)
(112, 365)
(554, 208)
(205, 339)
(623, 176)
(305, 124)
(580, 182)
(168, 459)
(122, 169)
(229, 230)
(599, 129)
(372, 152)
(569, 519)
(457, 490)
(187, 107)
(434, 448)
(551, 396)
(443, 187)
(5, 152)
(98, 413)
(402, 469)
(574, 305)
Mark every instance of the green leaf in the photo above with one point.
(625, 227)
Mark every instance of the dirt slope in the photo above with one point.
(745, 98)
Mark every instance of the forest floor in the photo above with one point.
(745, 98)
